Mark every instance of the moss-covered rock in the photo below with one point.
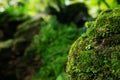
(96, 54)
(13, 66)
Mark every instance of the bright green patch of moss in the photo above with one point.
(96, 54)
(6, 44)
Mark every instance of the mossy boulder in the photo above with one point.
(96, 54)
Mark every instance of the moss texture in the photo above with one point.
(96, 54)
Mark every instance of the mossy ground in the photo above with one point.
(96, 54)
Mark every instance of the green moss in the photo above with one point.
(6, 44)
(96, 54)
(103, 26)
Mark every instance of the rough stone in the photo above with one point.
(96, 54)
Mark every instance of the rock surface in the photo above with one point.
(96, 54)
(13, 66)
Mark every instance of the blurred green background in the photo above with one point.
(36, 35)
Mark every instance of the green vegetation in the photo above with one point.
(36, 35)
(95, 55)
(52, 44)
